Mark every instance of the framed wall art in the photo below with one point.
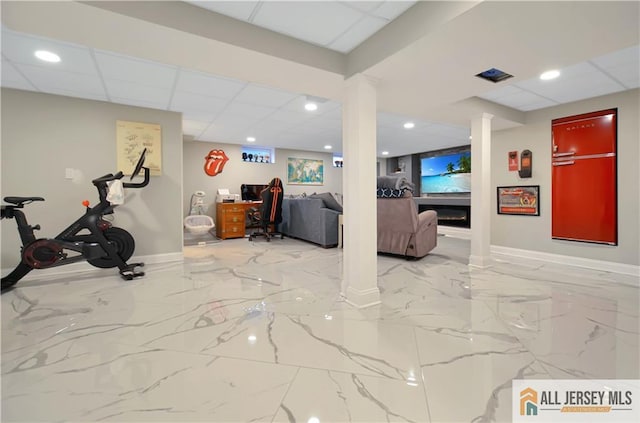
(305, 171)
(132, 138)
(520, 200)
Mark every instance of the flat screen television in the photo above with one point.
(446, 173)
(251, 192)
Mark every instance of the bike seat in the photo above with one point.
(20, 201)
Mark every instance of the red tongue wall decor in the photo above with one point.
(214, 162)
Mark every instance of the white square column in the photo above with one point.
(360, 252)
(481, 206)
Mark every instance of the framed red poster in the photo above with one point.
(522, 200)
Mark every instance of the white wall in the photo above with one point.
(534, 233)
(44, 134)
(237, 172)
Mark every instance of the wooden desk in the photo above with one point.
(230, 218)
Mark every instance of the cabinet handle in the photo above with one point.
(564, 163)
(570, 153)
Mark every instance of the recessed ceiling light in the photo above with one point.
(327, 147)
(310, 106)
(385, 153)
(47, 56)
(251, 139)
(409, 125)
(552, 74)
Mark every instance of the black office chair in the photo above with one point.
(270, 213)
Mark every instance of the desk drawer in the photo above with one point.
(232, 208)
(233, 230)
(231, 218)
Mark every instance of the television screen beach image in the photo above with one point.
(446, 174)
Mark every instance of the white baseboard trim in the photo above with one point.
(83, 266)
(363, 299)
(498, 251)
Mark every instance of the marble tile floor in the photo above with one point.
(257, 332)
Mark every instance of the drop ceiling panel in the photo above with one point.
(392, 9)
(391, 120)
(135, 70)
(271, 125)
(138, 103)
(188, 102)
(249, 111)
(520, 99)
(13, 79)
(217, 134)
(317, 22)
(574, 83)
(263, 96)
(236, 9)
(208, 85)
(622, 65)
(229, 119)
(47, 80)
(144, 93)
(291, 117)
(334, 113)
(193, 127)
(498, 93)
(19, 48)
(359, 32)
(364, 6)
(200, 116)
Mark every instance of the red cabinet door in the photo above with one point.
(588, 134)
(584, 200)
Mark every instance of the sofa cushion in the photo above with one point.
(329, 201)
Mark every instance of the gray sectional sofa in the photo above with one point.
(310, 220)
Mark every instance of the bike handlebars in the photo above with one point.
(110, 177)
(147, 175)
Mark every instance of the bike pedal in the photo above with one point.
(129, 272)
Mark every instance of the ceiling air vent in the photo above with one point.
(494, 75)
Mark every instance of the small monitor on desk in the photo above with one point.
(251, 192)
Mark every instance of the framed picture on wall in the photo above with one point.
(520, 200)
(305, 171)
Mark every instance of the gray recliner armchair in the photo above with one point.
(404, 231)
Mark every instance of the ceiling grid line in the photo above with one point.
(173, 87)
(92, 53)
(255, 11)
(606, 73)
(19, 71)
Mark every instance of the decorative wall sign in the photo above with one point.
(305, 171)
(131, 139)
(513, 161)
(522, 200)
(214, 162)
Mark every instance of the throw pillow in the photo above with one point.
(391, 192)
(329, 201)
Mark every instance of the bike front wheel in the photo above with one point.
(124, 244)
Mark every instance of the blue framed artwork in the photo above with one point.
(305, 171)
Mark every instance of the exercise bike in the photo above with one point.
(105, 246)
